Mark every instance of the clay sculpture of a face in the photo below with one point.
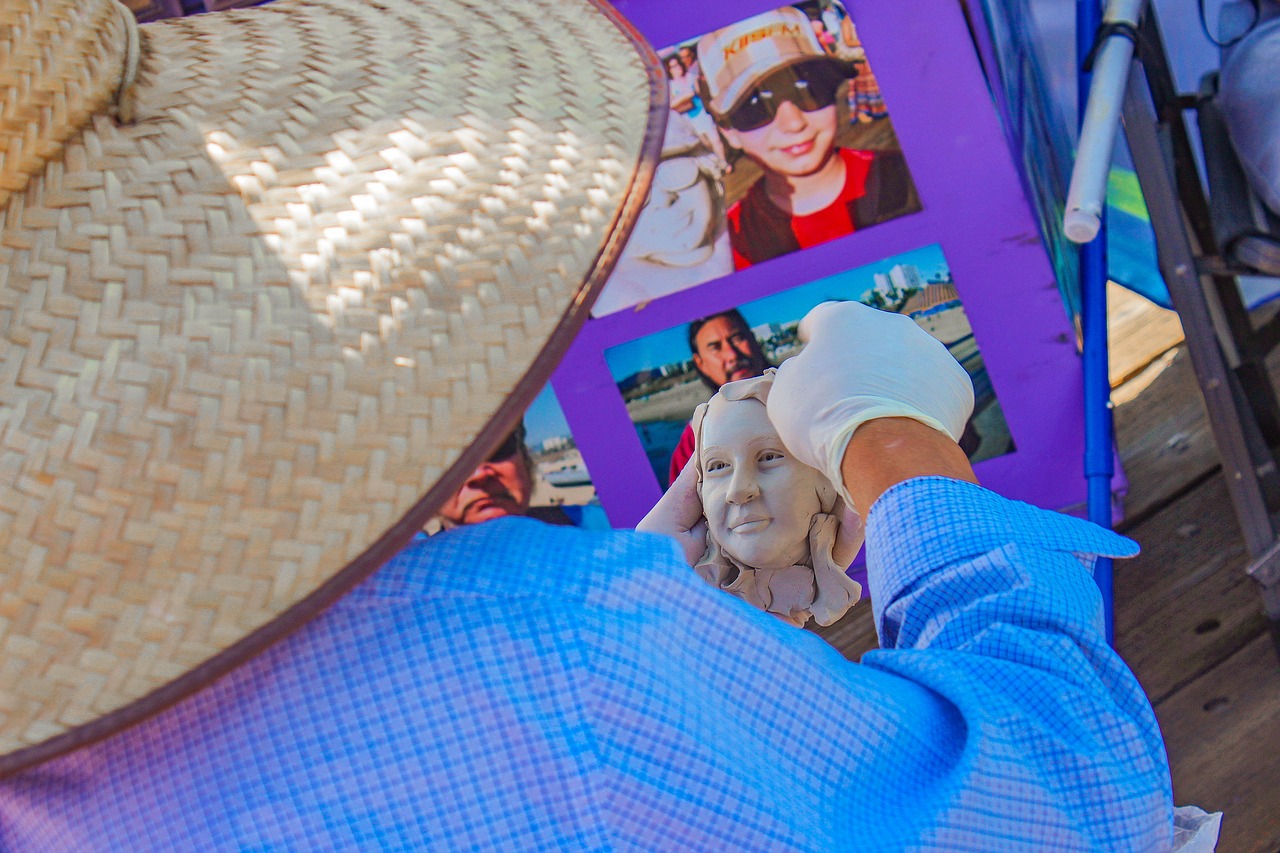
(758, 499)
(773, 523)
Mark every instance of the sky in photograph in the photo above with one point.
(544, 419)
(671, 345)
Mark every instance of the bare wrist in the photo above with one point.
(887, 451)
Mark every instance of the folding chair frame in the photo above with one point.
(1227, 352)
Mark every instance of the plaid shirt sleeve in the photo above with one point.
(513, 686)
(989, 603)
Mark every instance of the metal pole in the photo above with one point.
(1099, 124)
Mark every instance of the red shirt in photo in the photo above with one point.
(877, 187)
(682, 454)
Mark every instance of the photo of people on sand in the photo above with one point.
(778, 140)
(562, 488)
(664, 376)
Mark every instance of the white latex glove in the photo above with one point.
(861, 364)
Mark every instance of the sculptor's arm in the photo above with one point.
(987, 602)
(1039, 737)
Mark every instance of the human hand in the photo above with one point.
(859, 365)
(851, 535)
(678, 514)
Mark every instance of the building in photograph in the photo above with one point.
(893, 288)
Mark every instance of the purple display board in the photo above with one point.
(981, 273)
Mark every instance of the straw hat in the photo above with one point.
(271, 283)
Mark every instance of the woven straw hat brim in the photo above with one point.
(250, 341)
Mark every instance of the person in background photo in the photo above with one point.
(772, 88)
(500, 486)
(832, 21)
(689, 57)
(724, 350)
(824, 36)
(681, 238)
(866, 104)
(503, 485)
(682, 82)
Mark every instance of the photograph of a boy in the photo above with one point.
(774, 91)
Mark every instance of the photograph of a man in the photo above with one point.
(724, 350)
(502, 485)
(774, 91)
(663, 376)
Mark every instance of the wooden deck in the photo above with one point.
(1188, 620)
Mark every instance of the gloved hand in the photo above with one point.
(679, 515)
(860, 364)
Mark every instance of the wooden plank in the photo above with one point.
(1185, 604)
(1163, 432)
(1138, 332)
(854, 633)
(1161, 427)
(1222, 732)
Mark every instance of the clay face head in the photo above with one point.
(759, 500)
(778, 536)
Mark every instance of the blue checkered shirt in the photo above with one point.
(514, 686)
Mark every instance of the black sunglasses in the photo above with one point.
(810, 86)
(510, 445)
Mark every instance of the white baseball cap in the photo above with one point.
(734, 59)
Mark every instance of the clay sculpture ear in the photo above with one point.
(836, 591)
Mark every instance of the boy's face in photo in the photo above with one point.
(795, 144)
(787, 122)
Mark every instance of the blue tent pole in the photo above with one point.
(1099, 466)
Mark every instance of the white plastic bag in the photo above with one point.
(1195, 830)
